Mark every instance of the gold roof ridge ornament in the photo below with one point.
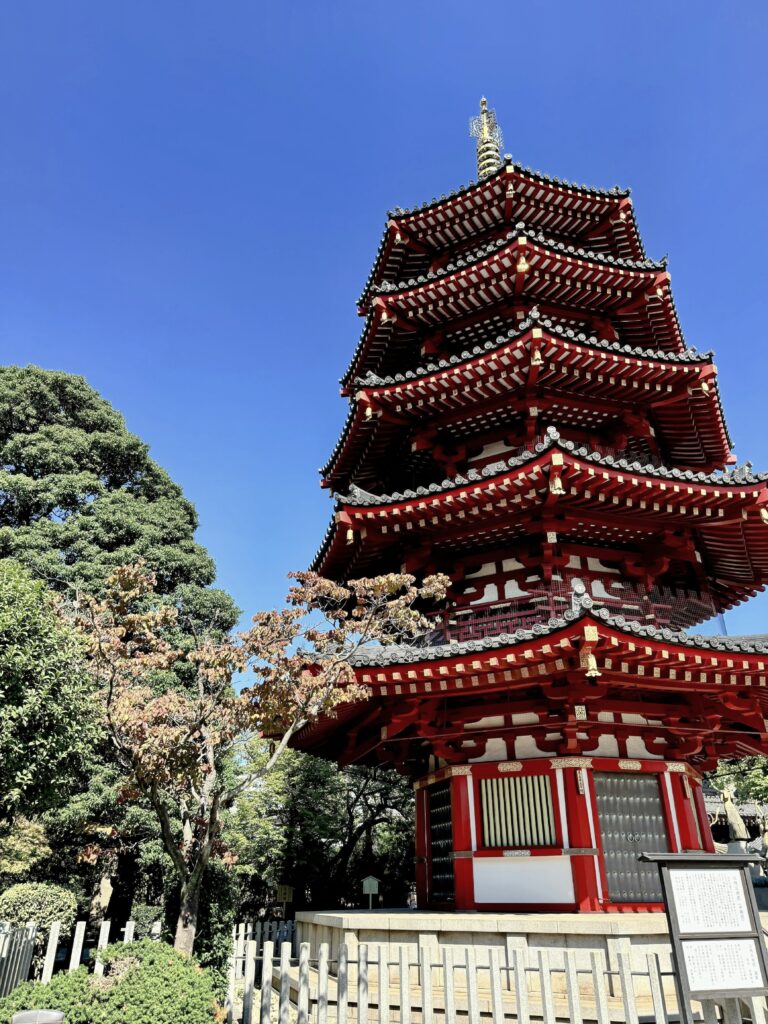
(485, 129)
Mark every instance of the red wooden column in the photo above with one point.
(691, 837)
(698, 800)
(462, 793)
(581, 836)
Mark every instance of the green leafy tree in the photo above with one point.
(322, 830)
(22, 846)
(48, 719)
(747, 778)
(79, 494)
(179, 744)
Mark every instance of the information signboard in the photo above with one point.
(714, 926)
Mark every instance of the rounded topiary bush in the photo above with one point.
(38, 902)
(143, 983)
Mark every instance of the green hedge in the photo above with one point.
(144, 983)
(38, 902)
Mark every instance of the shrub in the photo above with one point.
(144, 983)
(69, 993)
(41, 903)
(145, 916)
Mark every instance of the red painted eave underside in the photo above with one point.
(620, 505)
(605, 222)
(638, 299)
(546, 673)
(688, 416)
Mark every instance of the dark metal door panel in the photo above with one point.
(440, 843)
(631, 816)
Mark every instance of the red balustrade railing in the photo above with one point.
(662, 607)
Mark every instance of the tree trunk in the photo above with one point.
(186, 924)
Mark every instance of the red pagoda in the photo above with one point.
(526, 417)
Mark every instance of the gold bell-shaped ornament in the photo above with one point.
(556, 486)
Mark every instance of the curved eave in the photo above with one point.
(592, 495)
(729, 484)
(534, 267)
(642, 657)
(570, 624)
(605, 218)
(530, 235)
(692, 428)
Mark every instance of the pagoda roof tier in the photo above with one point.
(535, 364)
(701, 698)
(634, 294)
(567, 490)
(412, 238)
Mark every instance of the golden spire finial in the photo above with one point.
(484, 128)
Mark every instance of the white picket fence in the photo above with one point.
(272, 979)
(378, 988)
(17, 947)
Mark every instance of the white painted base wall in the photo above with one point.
(523, 880)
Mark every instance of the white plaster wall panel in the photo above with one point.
(495, 750)
(595, 565)
(607, 747)
(510, 564)
(486, 569)
(489, 722)
(512, 589)
(526, 747)
(525, 718)
(523, 880)
(636, 748)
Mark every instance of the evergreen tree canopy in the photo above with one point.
(47, 710)
(79, 495)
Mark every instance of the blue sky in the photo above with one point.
(191, 195)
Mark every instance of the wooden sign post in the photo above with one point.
(284, 895)
(714, 927)
(370, 889)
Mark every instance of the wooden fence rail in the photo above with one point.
(273, 979)
(384, 985)
(69, 951)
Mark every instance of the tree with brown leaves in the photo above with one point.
(180, 743)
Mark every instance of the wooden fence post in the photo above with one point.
(497, 1004)
(77, 946)
(383, 978)
(322, 984)
(102, 942)
(50, 952)
(362, 983)
(284, 1015)
(250, 980)
(425, 969)
(521, 984)
(599, 983)
(267, 956)
(448, 989)
(342, 978)
(627, 988)
(240, 950)
(302, 1002)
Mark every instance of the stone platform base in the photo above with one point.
(424, 936)
(417, 930)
